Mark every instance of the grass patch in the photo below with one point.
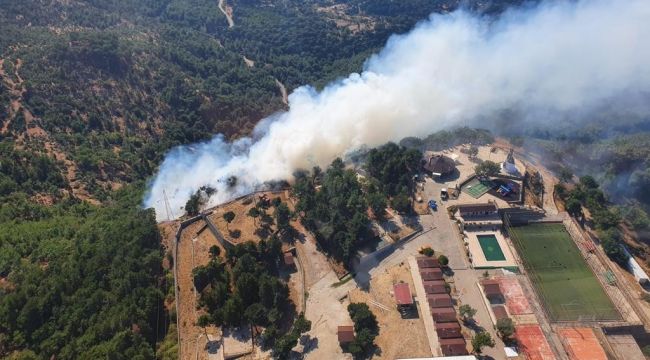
(568, 288)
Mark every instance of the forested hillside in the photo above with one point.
(104, 88)
(81, 282)
(92, 95)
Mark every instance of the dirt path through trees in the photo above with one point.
(33, 130)
(227, 10)
(283, 91)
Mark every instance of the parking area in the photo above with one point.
(438, 232)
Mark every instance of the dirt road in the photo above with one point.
(227, 10)
(283, 91)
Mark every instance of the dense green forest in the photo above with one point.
(81, 282)
(334, 203)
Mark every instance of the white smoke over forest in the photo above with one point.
(450, 70)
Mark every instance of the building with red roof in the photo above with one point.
(403, 295)
(345, 334)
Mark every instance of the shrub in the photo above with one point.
(487, 168)
(427, 251)
(505, 327)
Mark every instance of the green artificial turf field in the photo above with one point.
(566, 284)
(476, 188)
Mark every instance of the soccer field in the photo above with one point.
(567, 286)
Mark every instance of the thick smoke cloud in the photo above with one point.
(450, 70)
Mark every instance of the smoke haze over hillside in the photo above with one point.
(448, 71)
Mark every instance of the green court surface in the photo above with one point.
(476, 188)
(491, 248)
(569, 289)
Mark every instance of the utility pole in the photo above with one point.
(168, 208)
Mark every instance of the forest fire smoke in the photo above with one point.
(449, 70)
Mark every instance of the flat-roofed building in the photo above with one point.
(448, 330)
(403, 295)
(435, 287)
(345, 334)
(500, 312)
(425, 262)
(443, 314)
(492, 291)
(431, 274)
(453, 347)
(439, 300)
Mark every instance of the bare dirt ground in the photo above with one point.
(250, 63)
(249, 228)
(410, 332)
(315, 264)
(355, 23)
(283, 91)
(192, 251)
(326, 309)
(227, 10)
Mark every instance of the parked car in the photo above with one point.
(433, 205)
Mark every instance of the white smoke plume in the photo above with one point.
(449, 70)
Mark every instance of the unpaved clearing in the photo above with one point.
(192, 251)
(411, 333)
(327, 309)
(244, 227)
(250, 63)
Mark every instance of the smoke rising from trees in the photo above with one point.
(450, 70)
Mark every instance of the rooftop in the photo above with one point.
(500, 312)
(425, 262)
(439, 165)
(288, 258)
(472, 208)
(402, 294)
(345, 333)
(491, 288)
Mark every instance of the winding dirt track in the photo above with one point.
(283, 91)
(227, 10)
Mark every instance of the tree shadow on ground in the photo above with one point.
(473, 325)
(308, 343)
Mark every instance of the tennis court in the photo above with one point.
(477, 187)
(567, 286)
(491, 248)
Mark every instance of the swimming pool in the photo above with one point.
(491, 248)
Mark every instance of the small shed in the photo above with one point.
(403, 295)
(443, 314)
(435, 287)
(448, 330)
(453, 347)
(439, 300)
(345, 334)
(431, 274)
(492, 291)
(425, 262)
(500, 312)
